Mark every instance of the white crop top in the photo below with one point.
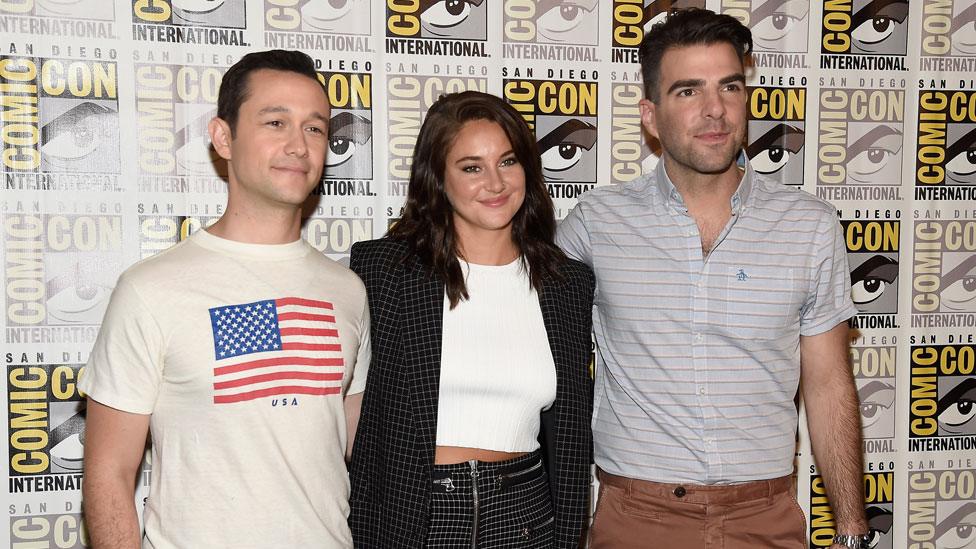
(497, 371)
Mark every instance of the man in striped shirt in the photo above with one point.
(717, 290)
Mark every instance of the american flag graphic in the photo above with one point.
(286, 346)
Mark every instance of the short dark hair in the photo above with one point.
(234, 85)
(427, 224)
(688, 27)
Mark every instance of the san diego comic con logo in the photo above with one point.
(878, 507)
(457, 28)
(864, 35)
(76, 18)
(174, 104)
(859, 143)
(943, 272)
(943, 396)
(408, 96)
(942, 503)
(563, 115)
(60, 124)
(557, 30)
(208, 22)
(632, 19)
(948, 36)
(777, 132)
(64, 531)
(873, 362)
(776, 25)
(46, 422)
(59, 270)
(945, 163)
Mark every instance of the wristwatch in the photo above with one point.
(852, 542)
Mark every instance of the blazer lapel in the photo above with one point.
(423, 321)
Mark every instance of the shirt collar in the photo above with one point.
(674, 201)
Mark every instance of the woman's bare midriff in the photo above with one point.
(447, 455)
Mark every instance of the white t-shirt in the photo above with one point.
(241, 353)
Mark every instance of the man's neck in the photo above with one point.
(258, 227)
(706, 194)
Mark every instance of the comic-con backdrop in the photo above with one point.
(869, 104)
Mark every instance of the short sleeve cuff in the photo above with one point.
(826, 323)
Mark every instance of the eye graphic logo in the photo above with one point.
(777, 25)
(337, 16)
(71, 9)
(948, 28)
(443, 19)
(349, 134)
(567, 150)
(206, 13)
(865, 27)
(877, 399)
(83, 138)
(78, 287)
(552, 21)
(872, 277)
(776, 133)
(872, 251)
(874, 374)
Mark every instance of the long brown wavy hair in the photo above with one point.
(427, 224)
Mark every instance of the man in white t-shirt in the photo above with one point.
(242, 350)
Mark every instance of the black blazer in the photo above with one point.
(393, 455)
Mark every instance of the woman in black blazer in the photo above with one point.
(442, 460)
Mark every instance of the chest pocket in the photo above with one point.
(762, 302)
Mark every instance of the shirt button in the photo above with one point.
(698, 337)
(680, 491)
(701, 390)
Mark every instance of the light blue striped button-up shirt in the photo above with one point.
(698, 357)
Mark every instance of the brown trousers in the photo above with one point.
(650, 515)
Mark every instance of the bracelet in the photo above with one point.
(859, 541)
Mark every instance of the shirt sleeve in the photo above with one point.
(363, 357)
(125, 367)
(829, 302)
(572, 237)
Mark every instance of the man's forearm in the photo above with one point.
(834, 423)
(110, 512)
(835, 435)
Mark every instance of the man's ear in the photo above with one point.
(220, 137)
(648, 112)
